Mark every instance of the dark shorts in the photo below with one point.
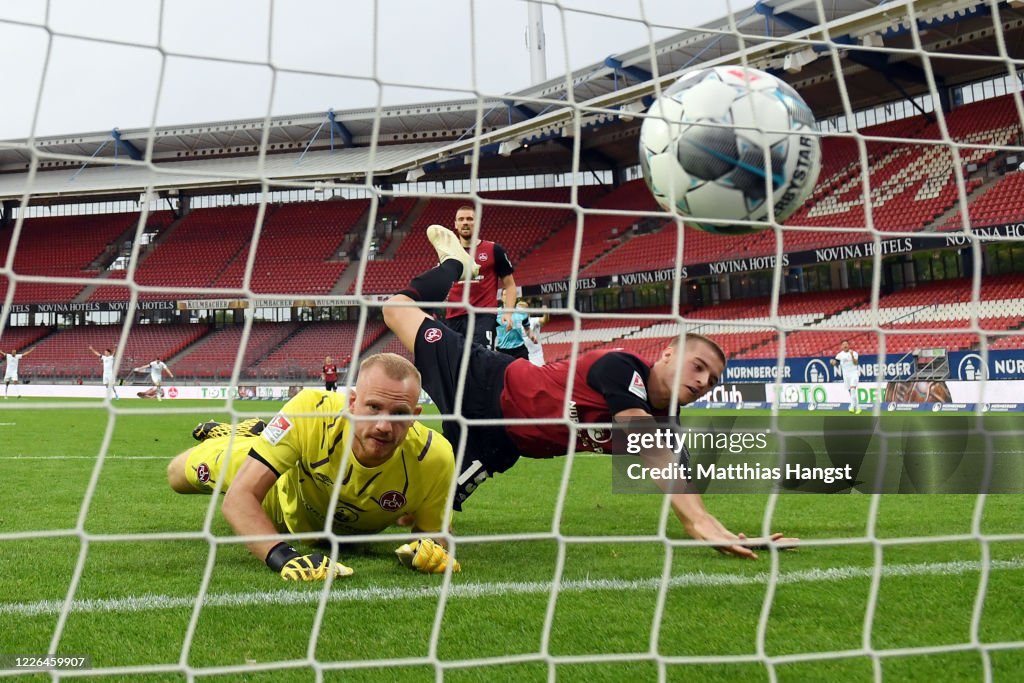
(331, 385)
(517, 352)
(439, 358)
(483, 331)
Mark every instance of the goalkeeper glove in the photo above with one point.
(292, 566)
(426, 556)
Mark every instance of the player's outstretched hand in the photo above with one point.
(426, 556)
(708, 528)
(315, 567)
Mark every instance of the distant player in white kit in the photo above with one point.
(109, 376)
(532, 340)
(156, 373)
(11, 371)
(848, 361)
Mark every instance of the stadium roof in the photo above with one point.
(872, 40)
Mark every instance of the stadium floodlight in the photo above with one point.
(872, 40)
(627, 110)
(794, 62)
(506, 148)
(414, 175)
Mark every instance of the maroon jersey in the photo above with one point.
(606, 382)
(483, 290)
(331, 373)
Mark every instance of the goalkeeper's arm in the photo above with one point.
(243, 509)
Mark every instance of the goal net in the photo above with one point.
(252, 249)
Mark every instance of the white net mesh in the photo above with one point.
(562, 578)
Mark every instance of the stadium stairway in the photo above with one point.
(108, 276)
(198, 343)
(248, 370)
(348, 276)
(401, 231)
(950, 218)
(386, 343)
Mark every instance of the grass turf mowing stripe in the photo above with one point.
(473, 590)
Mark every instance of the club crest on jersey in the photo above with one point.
(432, 334)
(277, 428)
(482, 257)
(637, 386)
(203, 473)
(391, 501)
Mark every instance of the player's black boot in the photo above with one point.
(213, 429)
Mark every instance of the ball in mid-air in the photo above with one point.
(730, 143)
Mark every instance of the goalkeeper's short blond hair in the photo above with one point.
(394, 366)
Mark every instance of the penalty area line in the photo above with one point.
(286, 597)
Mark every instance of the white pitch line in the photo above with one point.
(85, 457)
(286, 597)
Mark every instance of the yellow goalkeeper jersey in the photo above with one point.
(305, 444)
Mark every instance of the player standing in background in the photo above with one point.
(156, 373)
(532, 340)
(512, 341)
(330, 375)
(607, 384)
(848, 361)
(12, 358)
(495, 272)
(280, 477)
(109, 376)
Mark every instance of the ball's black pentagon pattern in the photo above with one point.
(749, 176)
(707, 152)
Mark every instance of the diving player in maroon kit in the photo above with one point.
(607, 384)
(495, 271)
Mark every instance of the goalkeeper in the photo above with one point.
(279, 477)
(606, 384)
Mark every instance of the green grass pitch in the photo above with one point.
(135, 601)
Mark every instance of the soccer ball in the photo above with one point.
(729, 143)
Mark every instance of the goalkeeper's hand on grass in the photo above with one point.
(426, 556)
(292, 566)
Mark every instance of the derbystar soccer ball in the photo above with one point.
(728, 143)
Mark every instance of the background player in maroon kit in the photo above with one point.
(495, 272)
(607, 384)
(330, 374)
